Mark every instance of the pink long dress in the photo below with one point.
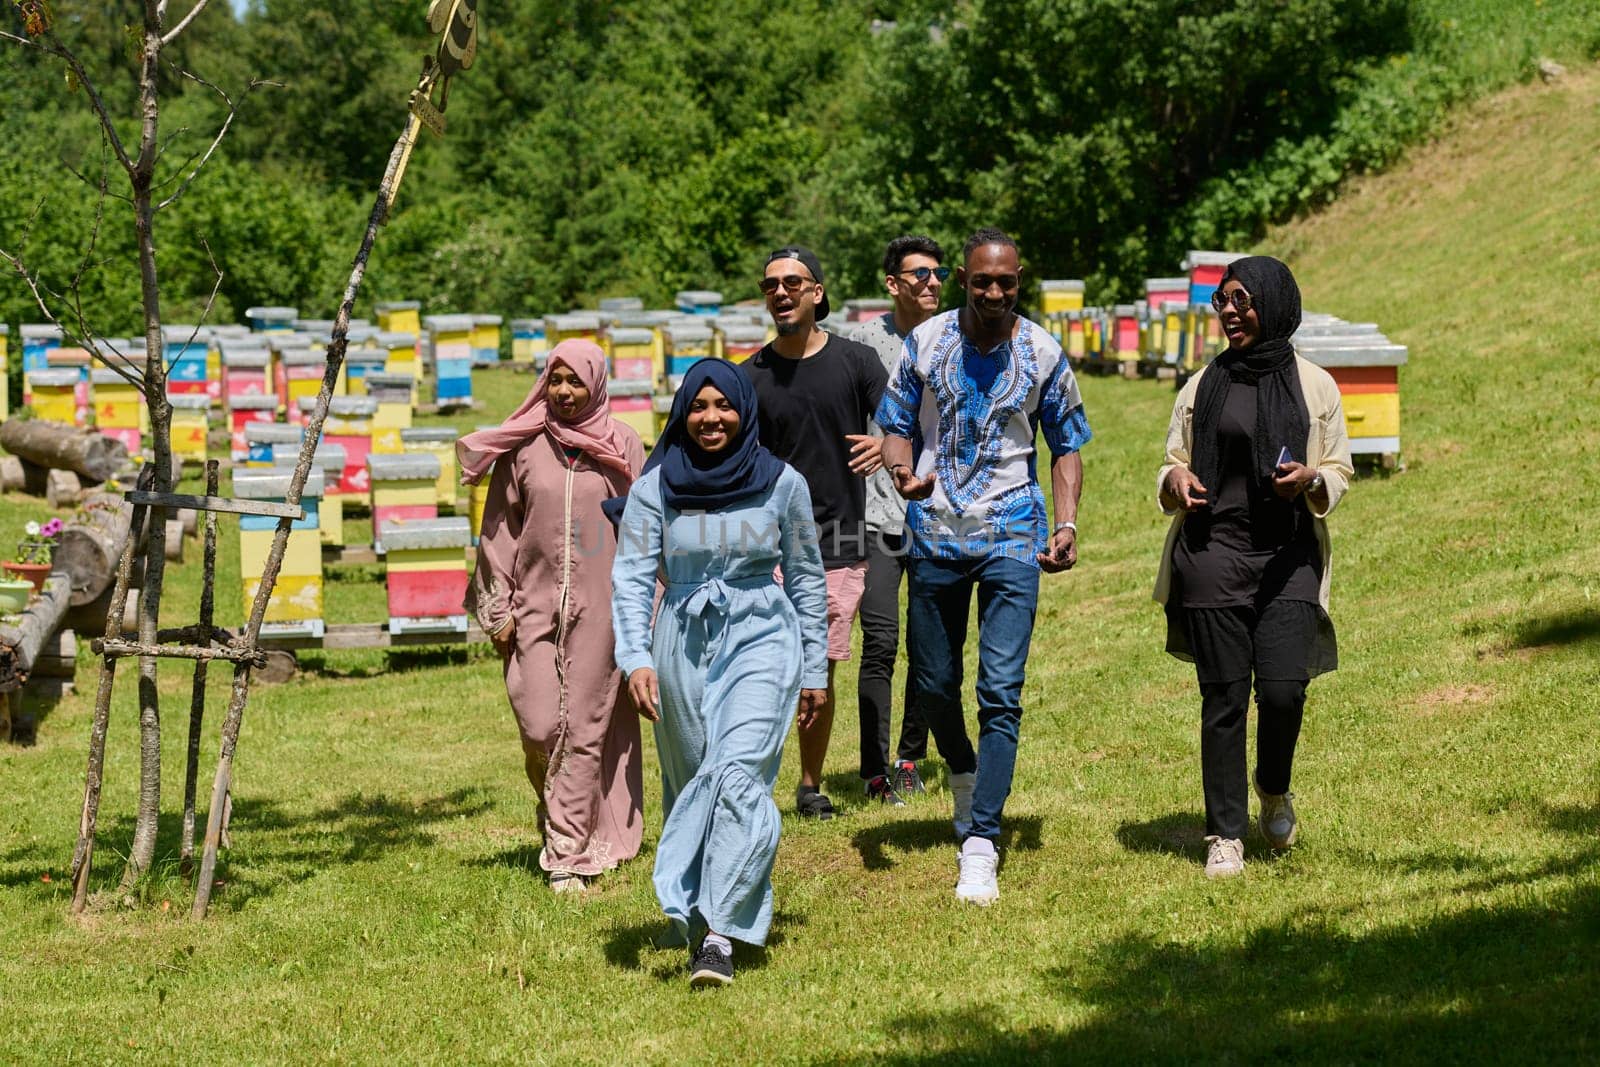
(545, 559)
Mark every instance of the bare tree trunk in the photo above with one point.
(197, 695)
(141, 854)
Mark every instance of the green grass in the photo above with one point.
(381, 900)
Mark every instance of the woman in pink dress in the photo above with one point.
(542, 592)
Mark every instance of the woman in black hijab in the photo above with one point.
(1257, 456)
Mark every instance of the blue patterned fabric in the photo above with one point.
(972, 418)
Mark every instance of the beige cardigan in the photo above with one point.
(1327, 449)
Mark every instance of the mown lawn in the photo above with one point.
(381, 901)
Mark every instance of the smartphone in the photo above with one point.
(1284, 457)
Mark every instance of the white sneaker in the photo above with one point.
(961, 787)
(1278, 824)
(1224, 856)
(976, 883)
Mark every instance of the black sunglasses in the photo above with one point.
(792, 283)
(922, 274)
(1238, 298)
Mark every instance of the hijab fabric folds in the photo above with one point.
(693, 479)
(593, 432)
(1282, 419)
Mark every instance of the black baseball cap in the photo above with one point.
(808, 259)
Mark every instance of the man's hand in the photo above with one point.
(866, 454)
(1293, 479)
(909, 486)
(811, 704)
(1062, 552)
(1186, 489)
(645, 693)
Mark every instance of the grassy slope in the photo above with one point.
(1443, 905)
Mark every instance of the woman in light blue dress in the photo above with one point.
(731, 654)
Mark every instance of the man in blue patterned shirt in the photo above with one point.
(972, 390)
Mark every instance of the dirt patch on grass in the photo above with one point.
(1447, 698)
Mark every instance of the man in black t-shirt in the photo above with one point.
(816, 394)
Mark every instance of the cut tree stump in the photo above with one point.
(12, 478)
(91, 546)
(21, 641)
(62, 489)
(174, 542)
(57, 446)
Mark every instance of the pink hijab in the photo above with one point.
(593, 431)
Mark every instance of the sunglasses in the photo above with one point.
(1238, 298)
(922, 274)
(981, 282)
(792, 283)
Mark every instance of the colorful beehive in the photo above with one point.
(79, 361)
(527, 341)
(633, 354)
(450, 359)
(1205, 270)
(740, 342)
(660, 407)
(698, 301)
(350, 426)
(272, 319)
(1124, 338)
(360, 362)
(262, 437)
(1058, 295)
(297, 373)
(243, 412)
(392, 411)
(329, 459)
(486, 340)
(1157, 291)
(1367, 369)
(54, 393)
(37, 343)
(185, 352)
(1174, 315)
(404, 487)
(630, 405)
(400, 316)
(1072, 337)
(686, 342)
(426, 562)
(439, 442)
(582, 324)
(621, 303)
(861, 310)
(5, 367)
(191, 425)
(295, 607)
(399, 350)
(246, 372)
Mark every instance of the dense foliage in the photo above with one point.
(614, 146)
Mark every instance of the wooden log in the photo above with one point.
(62, 489)
(91, 545)
(174, 541)
(12, 478)
(190, 518)
(58, 658)
(20, 643)
(57, 446)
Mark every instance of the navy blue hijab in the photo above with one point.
(693, 479)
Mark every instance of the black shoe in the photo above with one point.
(812, 805)
(709, 966)
(880, 790)
(907, 780)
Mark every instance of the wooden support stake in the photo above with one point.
(197, 694)
(117, 647)
(214, 503)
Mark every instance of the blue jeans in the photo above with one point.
(936, 635)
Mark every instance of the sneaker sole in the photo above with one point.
(709, 980)
(1224, 872)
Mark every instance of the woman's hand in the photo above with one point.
(866, 454)
(1293, 479)
(908, 485)
(811, 703)
(502, 640)
(645, 693)
(1183, 487)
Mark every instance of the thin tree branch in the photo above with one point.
(171, 35)
(61, 52)
(86, 339)
(233, 111)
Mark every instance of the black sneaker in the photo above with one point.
(907, 780)
(812, 804)
(710, 966)
(880, 790)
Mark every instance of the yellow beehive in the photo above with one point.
(392, 411)
(438, 441)
(191, 422)
(297, 595)
(400, 316)
(1060, 295)
(55, 395)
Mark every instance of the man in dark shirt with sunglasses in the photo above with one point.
(816, 394)
(914, 275)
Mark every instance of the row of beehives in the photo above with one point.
(1176, 330)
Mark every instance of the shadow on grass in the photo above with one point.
(337, 665)
(1023, 833)
(626, 947)
(1182, 833)
(1569, 628)
(1518, 978)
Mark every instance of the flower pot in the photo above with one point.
(29, 572)
(14, 595)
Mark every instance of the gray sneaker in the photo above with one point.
(1278, 824)
(1224, 856)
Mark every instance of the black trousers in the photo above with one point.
(880, 645)
(1271, 646)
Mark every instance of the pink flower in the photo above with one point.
(51, 528)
